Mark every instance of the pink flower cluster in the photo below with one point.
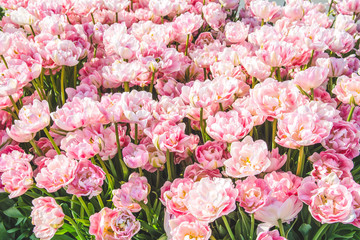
(182, 111)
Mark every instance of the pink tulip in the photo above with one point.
(187, 227)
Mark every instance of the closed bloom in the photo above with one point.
(264, 9)
(113, 224)
(311, 78)
(248, 158)
(47, 216)
(211, 199)
(57, 173)
(229, 126)
(88, 180)
(270, 235)
(214, 15)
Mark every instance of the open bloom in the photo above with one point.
(211, 199)
(347, 88)
(113, 224)
(188, 227)
(248, 158)
(32, 118)
(47, 216)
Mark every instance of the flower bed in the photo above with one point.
(179, 119)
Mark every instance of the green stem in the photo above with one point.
(14, 105)
(157, 179)
(312, 94)
(278, 74)
(62, 85)
(204, 74)
(83, 205)
(149, 216)
(350, 113)
(54, 85)
(267, 132)
(100, 201)
(273, 143)
(320, 231)
(141, 172)
(221, 107)
(116, 17)
(281, 228)
(136, 133)
(301, 162)
(124, 168)
(262, 22)
(126, 87)
(187, 44)
(228, 227)
(288, 159)
(32, 30)
(252, 226)
(168, 165)
(311, 58)
(103, 166)
(38, 89)
(5, 63)
(152, 82)
(92, 18)
(75, 227)
(202, 128)
(52, 141)
(75, 76)
(36, 148)
(253, 82)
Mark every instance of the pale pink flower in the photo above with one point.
(229, 126)
(32, 118)
(275, 210)
(253, 193)
(135, 156)
(77, 113)
(283, 184)
(229, 4)
(264, 9)
(21, 16)
(187, 23)
(135, 190)
(214, 15)
(47, 216)
(277, 160)
(57, 173)
(248, 103)
(136, 107)
(276, 53)
(63, 52)
(270, 235)
(109, 149)
(18, 176)
(88, 180)
(161, 7)
(344, 139)
(236, 32)
(347, 88)
(311, 78)
(173, 195)
(211, 155)
(82, 91)
(294, 11)
(275, 98)
(346, 23)
(113, 224)
(83, 144)
(224, 88)
(302, 127)
(54, 24)
(329, 201)
(196, 172)
(256, 68)
(248, 158)
(168, 108)
(111, 108)
(116, 5)
(187, 227)
(5, 40)
(336, 66)
(167, 135)
(200, 94)
(348, 7)
(328, 162)
(210, 199)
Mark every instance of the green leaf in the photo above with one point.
(3, 232)
(13, 212)
(91, 208)
(238, 228)
(62, 237)
(304, 229)
(13, 230)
